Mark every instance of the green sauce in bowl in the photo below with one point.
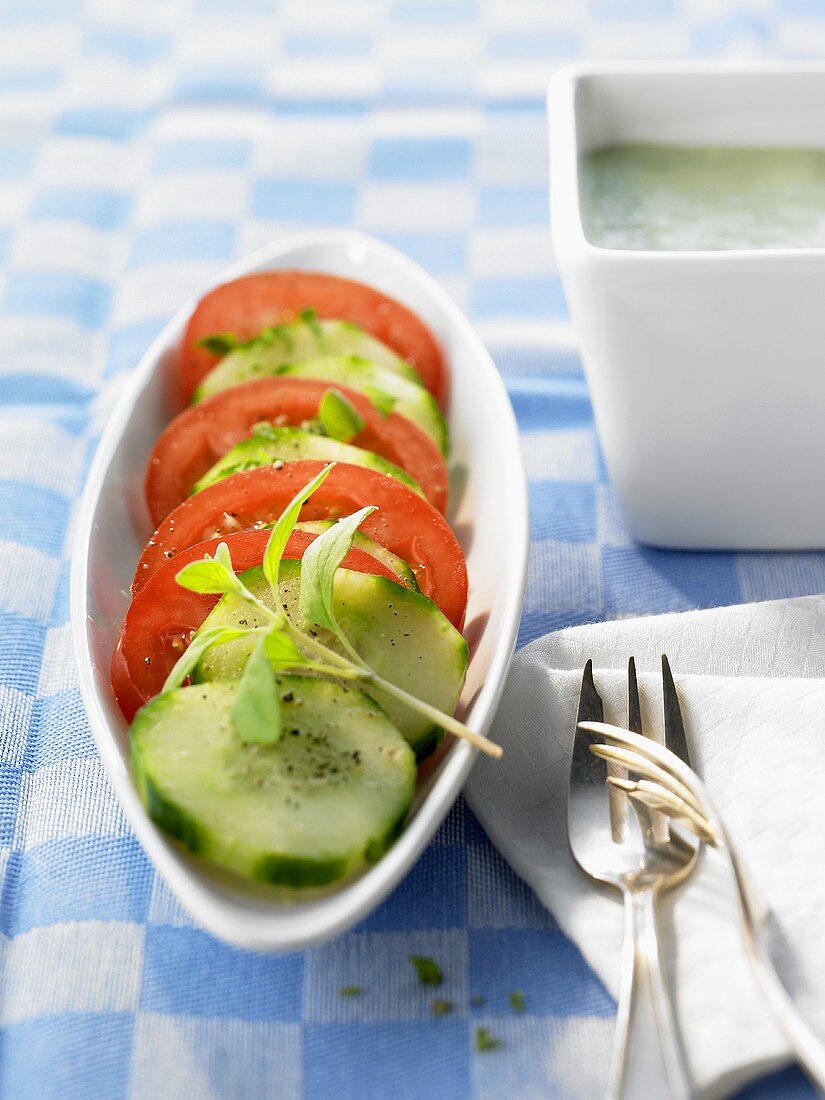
(702, 198)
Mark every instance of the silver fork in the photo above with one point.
(638, 857)
(672, 776)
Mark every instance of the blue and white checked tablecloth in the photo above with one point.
(142, 146)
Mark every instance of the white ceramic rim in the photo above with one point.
(566, 224)
(245, 927)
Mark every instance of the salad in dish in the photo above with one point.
(293, 648)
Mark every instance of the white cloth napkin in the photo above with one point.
(751, 680)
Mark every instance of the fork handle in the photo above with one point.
(648, 1061)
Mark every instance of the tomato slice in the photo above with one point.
(161, 617)
(254, 302)
(203, 433)
(405, 522)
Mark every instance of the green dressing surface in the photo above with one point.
(698, 198)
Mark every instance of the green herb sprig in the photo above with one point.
(286, 646)
(310, 319)
(220, 343)
(428, 970)
(485, 1042)
(339, 417)
(257, 707)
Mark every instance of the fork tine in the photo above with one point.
(651, 819)
(590, 705)
(618, 799)
(675, 738)
(585, 766)
(590, 702)
(634, 707)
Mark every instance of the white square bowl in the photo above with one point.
(706, 369)
(488, 511)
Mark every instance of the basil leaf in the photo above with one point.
(211, 575)
(256, 711)
(282, 651)
(196, 649)
(339, 417)
(318, 565)
(382, 402)
(221, 343)
(220, 472)
(310, 318)
(269, 335)
(283, 528)
(223, 557)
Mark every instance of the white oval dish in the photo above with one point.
(489, 513)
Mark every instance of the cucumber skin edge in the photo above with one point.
(376, 847)
(283, 870)
(275, 868)
(165, 814)
(428, 742)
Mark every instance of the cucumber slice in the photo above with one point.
(380, 385)
(327, 799)
(399, 633)
(369, 546)
(294, 342)
(284, 444)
